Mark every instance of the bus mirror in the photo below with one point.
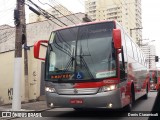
(37, 48)
(117, 38)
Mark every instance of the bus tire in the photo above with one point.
(132, 95)
(128, 108)
(146, 95)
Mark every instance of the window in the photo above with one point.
(139, 56)
(129, 46)
(135, 51)
(141, 59)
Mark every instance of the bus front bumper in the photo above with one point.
(111, 99)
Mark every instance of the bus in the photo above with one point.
(93, 65)
(154, 79)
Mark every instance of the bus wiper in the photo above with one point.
(70, 62)
(84, 63)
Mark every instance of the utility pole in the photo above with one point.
(18, 13)
(24, 41)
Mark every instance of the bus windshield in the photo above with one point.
(81, 53)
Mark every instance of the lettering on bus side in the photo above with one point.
(10, 93)
(110, 81)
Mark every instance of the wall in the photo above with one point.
(7, 74)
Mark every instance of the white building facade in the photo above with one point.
(126, 12)
(150, 52)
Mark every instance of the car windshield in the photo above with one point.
(81, 53)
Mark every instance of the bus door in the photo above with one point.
(123, 66)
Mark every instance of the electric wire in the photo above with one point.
(42, 13)
(54, 1)
(57, 11)
(47, 15)
(61, 21)
(56, 44)
(6, 10)
(4, 14)
(62, 49)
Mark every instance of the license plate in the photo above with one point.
(76, 101)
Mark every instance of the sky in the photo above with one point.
(150, 16)
(151, 23)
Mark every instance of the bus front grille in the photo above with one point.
(77, 91)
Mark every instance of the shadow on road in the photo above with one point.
(156, 107)
(93, 113)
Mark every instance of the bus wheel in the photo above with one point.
(128, 108)
(146, 95)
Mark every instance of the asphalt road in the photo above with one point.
(96, 114)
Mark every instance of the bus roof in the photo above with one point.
(86, 23)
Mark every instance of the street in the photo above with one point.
(69, 113)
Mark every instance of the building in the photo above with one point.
(35, 31)
(126, 12)
(150, 52)
(57, 11)
(7, 34)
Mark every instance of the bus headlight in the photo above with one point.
(49, 89)
(108, 88)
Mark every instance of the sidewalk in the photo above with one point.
(31, 106)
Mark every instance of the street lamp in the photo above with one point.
(139, 42)
(134, 29)
(146, 43)
(151, 52)
(149, 60)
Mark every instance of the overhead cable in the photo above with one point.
(46, 14)
(57, 11)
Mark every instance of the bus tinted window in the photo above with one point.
(139, 57)
(143, 59)
(135, 51)
(129, 46)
